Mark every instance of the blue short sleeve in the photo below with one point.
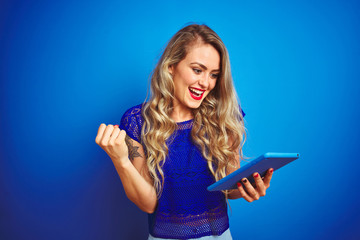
(242, 112)
(131, 122)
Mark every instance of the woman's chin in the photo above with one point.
(194, 105)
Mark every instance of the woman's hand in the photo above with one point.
(250, 192)
(112, 140)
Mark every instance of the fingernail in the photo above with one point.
(244, 180)
(256, 175)
(239, 184)
(116, 126)
(271, 170)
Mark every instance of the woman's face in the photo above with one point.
(195, 76)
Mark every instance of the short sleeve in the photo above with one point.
(131, 122)
(241, 111)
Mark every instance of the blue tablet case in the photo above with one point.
(260, 165)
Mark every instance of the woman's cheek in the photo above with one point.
(192, 78)
(213, 85)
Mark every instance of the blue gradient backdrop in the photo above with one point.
(67, 66)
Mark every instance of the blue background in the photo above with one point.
(68, 66)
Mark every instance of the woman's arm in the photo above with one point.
(233, 165)
(133, 172)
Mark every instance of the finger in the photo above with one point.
(100, 133)
(250, 189)
(268, 177)
(260, 187)
(121, 137)
(243, 193)
(106, 136)
(114, 135)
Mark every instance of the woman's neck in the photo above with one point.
(181, 113)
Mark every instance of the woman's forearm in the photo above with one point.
(137, 189)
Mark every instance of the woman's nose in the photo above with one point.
(204, 81)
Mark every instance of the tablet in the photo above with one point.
(260, 165)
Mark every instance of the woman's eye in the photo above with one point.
(215, 76)
(196, 70)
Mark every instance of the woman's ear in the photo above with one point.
(171, 69)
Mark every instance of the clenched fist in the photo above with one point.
(113, 141)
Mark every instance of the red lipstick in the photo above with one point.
(195, 96)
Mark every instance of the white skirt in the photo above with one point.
(225, 236)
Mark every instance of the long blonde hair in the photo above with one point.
(217, 122)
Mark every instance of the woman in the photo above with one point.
(187, 136)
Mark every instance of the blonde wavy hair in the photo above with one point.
(218, 127)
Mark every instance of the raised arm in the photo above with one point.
(133, 172)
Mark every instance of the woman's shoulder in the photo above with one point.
(133, 111)
(132, 121)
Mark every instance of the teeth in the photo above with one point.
(198, 92)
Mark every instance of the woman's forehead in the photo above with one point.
(204, 54)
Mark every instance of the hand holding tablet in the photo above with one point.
(260, 165)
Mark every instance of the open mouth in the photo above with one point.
(196, 93)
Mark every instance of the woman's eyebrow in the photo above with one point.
(204, 67)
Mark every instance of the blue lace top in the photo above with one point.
(185, 209)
